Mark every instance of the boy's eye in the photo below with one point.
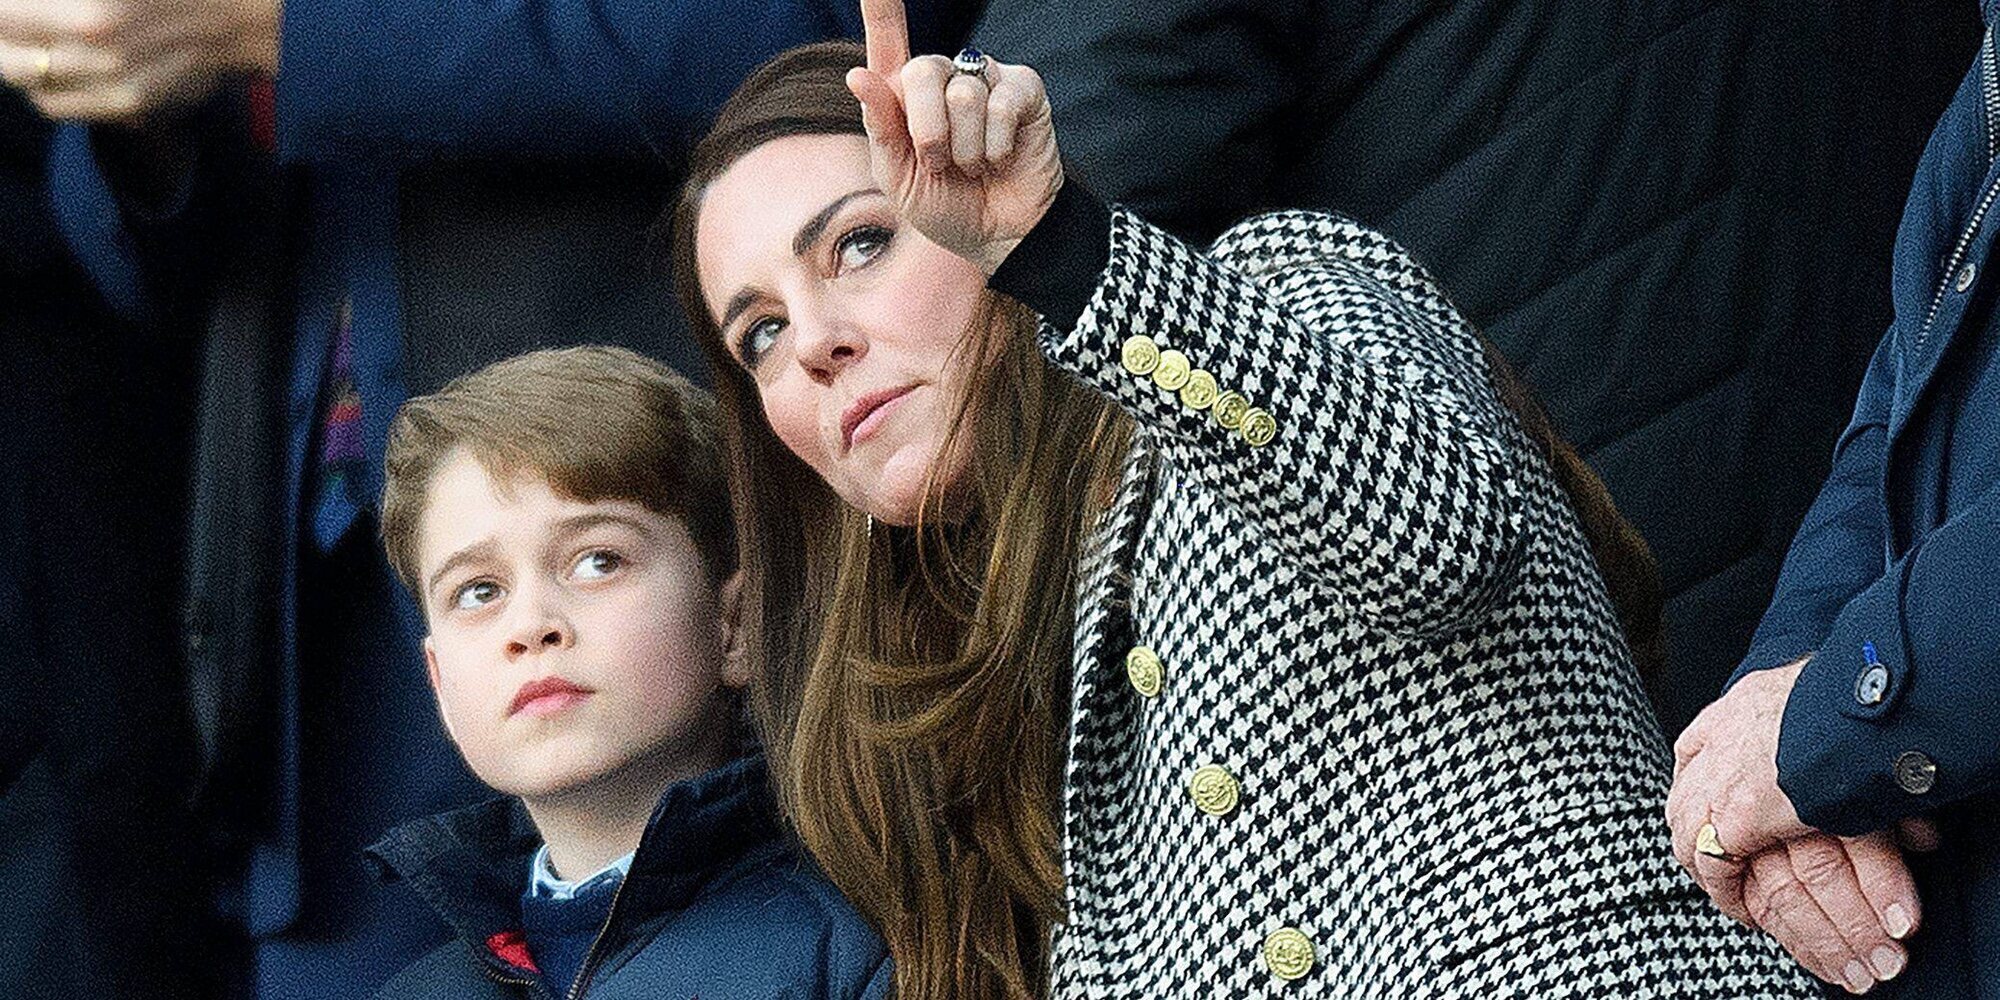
(757, 339)
(476, 594)
(596, 564)
(861, 245)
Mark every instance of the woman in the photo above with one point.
(1224, 634)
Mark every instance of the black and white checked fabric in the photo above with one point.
(1387, 626)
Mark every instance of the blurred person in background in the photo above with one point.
(107, 895)
(1870, 701)
(350, 205)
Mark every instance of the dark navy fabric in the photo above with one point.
(559, 932)
(1898, 564)
(719, 904)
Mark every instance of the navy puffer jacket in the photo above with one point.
(720, 904)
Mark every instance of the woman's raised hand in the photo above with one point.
(969, 159)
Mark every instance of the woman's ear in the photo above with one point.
(736, 670)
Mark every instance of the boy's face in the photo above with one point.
(569, 641)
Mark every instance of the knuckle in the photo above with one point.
(966, 97)
(1005, 104)
(1785, 894)
(95, 22)
(124, 102)
(1819, 865)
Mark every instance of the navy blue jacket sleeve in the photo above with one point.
(1840, 547)
(548, 78)
(149, 244)
(1930, 622)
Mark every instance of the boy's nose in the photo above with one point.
(545, 636)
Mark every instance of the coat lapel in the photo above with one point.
(1096, 716)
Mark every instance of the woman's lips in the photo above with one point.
(865, 416)
(547, 696)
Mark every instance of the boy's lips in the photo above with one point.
(545, 696)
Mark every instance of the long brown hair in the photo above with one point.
(913, 689)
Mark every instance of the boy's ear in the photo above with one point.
(735, 664)
(431, 662)
(431, 671)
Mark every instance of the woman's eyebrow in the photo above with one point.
(810, 232)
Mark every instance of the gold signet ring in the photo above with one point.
(1708, 843)
(42, 59)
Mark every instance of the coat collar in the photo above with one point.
(471, 864)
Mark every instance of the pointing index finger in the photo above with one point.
(887, 31)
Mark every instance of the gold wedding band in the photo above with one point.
(1706, 842)
(42, 59)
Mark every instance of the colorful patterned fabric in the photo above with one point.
(338, 499)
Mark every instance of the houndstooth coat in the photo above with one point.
(1381, 736)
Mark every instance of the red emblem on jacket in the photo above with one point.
(511, 947)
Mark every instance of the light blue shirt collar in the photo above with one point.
(542, 880)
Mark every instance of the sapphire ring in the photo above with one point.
(970, 62)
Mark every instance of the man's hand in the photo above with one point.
(119, 61)
(1726, 779)
(1838, 905)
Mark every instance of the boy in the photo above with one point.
(563, 520)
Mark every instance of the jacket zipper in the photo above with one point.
(1989, 85)
(534, 986)
(589, 966)
(1957, 257)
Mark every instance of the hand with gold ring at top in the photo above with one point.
(965, 148)
(1840, 905)
(119, 61)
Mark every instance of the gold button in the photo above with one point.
(1199, 392)
(1140, 355)
(1259, 427)
(1144, 670)
(1229, 409)
(1215, 791)
(1172, 371)
(1289, 953)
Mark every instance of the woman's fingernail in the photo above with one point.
(1896, 921)
(1888, 962)
(1858, 979)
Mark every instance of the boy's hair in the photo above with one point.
(596, 423)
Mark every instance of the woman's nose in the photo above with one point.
(828, 343)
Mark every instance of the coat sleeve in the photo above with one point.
(146, 216)
(1156, 100)
(1387, 467)
(543, 78)
(1852, 764)
(1840, 546)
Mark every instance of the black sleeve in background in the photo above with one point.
(1055, 268)
(1178, 109)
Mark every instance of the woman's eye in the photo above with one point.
(477, 594)
(758, 338)
(596, 565)
(862, 245)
